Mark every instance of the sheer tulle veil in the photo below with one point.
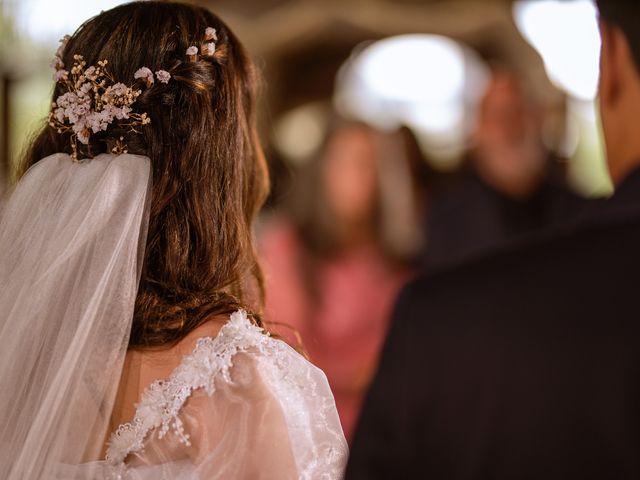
(72, 237)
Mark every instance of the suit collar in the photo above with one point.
(622, 206)
(629, 188)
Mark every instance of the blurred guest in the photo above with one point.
(511, 187)
(525, 364)
(336, 261)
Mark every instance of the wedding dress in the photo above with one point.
(241, 405)
(237, 404)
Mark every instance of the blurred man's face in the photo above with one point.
(508, 151)
(503, 119)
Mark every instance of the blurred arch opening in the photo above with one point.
(429, 83)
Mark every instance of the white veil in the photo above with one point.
(72, 237)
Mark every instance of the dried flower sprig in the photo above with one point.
(192, 53)
(210, 39)
(92, 102)
(93, 99)
(163, 76)
(145, 74)
(210, 34)
(57, 64)
(207, 47)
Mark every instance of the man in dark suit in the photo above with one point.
(526, 364)
(510, 187)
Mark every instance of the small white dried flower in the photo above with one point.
(119, 89)
(210, 34)
(86, 87)
(79, 58)
(163, 76)
(92, 73)
(58, 114)
(192, 50)
(209, 48)
(82, 132)
(145, 74)
(60, 75)
(57, 63)
(63, 43)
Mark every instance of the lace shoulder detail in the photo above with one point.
(162, 401)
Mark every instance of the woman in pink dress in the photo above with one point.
(335, 264)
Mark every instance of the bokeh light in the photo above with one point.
(46, 20)
(428, 82)
(565, 33)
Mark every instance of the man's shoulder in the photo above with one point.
(563, 260)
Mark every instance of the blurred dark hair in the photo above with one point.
(626, 15)
(209, 173)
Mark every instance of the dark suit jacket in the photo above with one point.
(521, 365)
(469, 218)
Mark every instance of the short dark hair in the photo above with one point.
(625, 14)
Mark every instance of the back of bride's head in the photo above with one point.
(209, 176)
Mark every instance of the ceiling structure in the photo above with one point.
(300, 44)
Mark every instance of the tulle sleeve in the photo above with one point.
(253, 409)
(268, 424)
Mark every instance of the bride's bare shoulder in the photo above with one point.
(209, 328)
(144, 366)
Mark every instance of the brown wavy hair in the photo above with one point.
(209, 173)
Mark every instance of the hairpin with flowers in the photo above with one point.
(208, 48)
(93, 100)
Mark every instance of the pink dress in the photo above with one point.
(344, 329)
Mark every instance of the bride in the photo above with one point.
(130, 342)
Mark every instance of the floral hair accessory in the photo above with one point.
(163, 76)
(209, 48)
(145, 74)
(92, 102)
(192, 53)
(57, 63)
(210, 37)
(210, 34)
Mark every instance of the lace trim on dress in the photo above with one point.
(162, 401)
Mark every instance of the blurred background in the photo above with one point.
(402, 136)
